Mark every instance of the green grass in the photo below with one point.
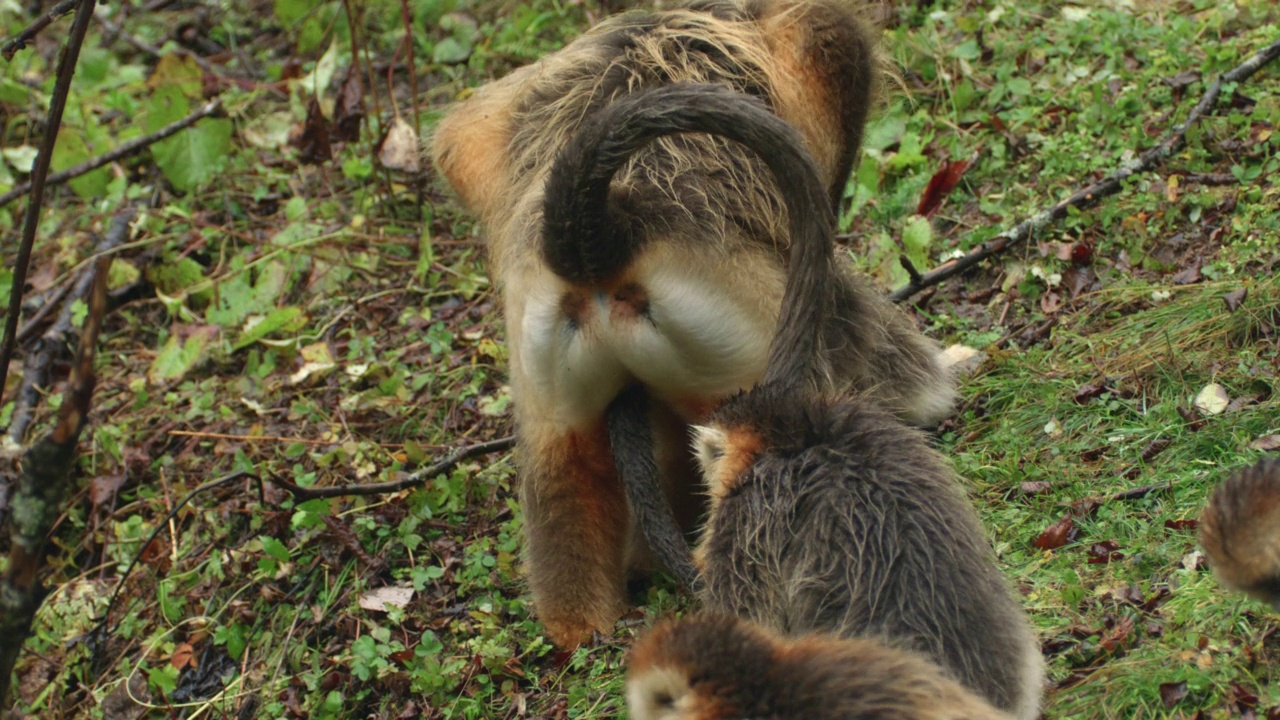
(315, 323)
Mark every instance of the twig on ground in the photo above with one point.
(146, 47)
(124, 150)
(39, 173)
(413, 480)
(51, 302)
(39, 362)
(19, 41)
(1091, 195)
(162, 526)
(42, 493)
(1138, 492)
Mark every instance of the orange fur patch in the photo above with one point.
(584, 509)
(741, 446)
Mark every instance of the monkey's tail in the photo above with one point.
(1240, 531)
(630, 440)
(585, 240)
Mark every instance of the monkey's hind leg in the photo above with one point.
(575, 516)
(632, 443)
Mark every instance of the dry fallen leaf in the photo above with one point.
(1057, 534)
(963, 360)
(1235, 298)
(1172, 693)
(399, 150)
(183, 655)
(381, 599)
(103, 487)
(1193, 560)
(313, 141)
(1266, 442)
(1212, 400)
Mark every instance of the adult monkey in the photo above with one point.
(680, 291)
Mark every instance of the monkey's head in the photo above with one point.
(1240, 531)
(704, 668)
(780, 420)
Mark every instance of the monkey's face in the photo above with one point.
(659, 693)
(703, 668)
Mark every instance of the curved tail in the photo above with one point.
(1240, 531)
(585, 240)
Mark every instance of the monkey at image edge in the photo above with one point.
(723, 668)
(1240, 531)
(687, 303)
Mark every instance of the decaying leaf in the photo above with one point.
(348, 111)
(1235, 298)
(1212, 399)
(1193, 560)
(1057, 534)
(381, 599)
(313, 142)
(1104, 552)
(941, 185)
(963, 360)
(1172, 693)
(1266, 442)
(183, 655)
(399, 149)
(1034, 487)
(103, 487)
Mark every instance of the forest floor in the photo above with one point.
(293, 303)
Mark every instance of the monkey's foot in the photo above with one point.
(568, 633)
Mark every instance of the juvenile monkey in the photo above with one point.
(659, 267)
(1240, 531)
(724, 668)
(830, 515)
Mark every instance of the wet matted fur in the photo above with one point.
(690, 316)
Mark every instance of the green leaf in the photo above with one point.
(285, 320)
(450, 51)
(171, 605)
(196, 154)
(173, 278)
(79, 310)
(22, 157)
(167, 105)
(274, 548)
(71, 149)
(240, 296)
(179, 72)
(163, 678)
(178, 357)
(233, 636)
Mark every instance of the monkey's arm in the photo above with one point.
(631, 440)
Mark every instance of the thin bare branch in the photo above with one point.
(1091, 195)
(52, 344)
(19, 41)
(61, 88)
(413, 480)
(124, 150)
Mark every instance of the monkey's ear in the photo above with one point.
(709, 444)
(470, 144)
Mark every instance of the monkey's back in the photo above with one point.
(697, 188)
(847, 522)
